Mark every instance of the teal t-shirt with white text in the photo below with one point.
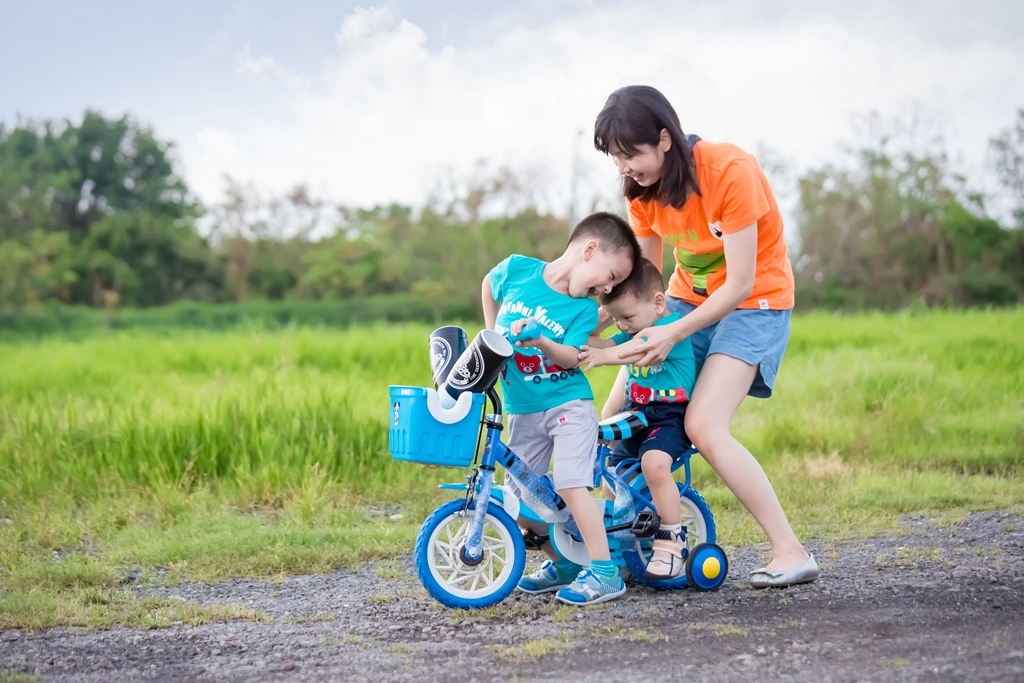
(531, 382)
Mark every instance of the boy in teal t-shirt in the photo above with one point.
(531, 381)
(549, 401)
(661, 392)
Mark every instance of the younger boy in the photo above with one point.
(661, 392)
(550, 404)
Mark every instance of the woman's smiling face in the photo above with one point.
(645, 163)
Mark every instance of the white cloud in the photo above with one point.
(386, 114)
(214, 141)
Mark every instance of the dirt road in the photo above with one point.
(935, 603)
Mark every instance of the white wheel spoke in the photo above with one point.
(461, 580)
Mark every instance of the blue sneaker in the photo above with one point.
(590, 589)
(545, 580)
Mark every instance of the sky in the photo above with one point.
(377, 102)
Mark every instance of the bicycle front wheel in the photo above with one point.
(441, 564)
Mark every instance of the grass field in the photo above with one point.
(138, 456)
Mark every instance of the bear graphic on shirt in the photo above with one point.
(640, 395)
(527, 364)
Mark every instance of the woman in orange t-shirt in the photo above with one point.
(732, 285)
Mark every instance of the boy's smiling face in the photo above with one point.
(599, 270)
(633, 314)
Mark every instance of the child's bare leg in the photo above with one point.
(617, 398)
(657, 468)
(667, 556)
(589, 520)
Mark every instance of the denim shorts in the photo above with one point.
(753, 336)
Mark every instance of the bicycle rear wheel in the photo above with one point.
(700, 529)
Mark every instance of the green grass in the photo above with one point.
(191, 455)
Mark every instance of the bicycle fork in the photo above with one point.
(537, 487)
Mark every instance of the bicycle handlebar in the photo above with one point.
(531, 330)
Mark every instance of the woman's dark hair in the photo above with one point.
(634, 116)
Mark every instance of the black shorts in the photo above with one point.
(664, 432)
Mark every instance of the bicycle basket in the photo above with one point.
(423, 432)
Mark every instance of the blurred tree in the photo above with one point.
(888, 229)
(33, 269)
(263, 240)
(1009, 149)
(107, 185)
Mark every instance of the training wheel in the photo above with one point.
(707, 567)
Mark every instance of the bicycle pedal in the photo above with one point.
(645, 524)
(534, 541)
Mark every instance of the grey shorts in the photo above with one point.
(568, 431)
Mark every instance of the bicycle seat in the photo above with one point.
(621, 426)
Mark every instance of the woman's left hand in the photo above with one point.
(649, 346)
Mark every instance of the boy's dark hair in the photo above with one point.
(611, 231)
(636, 115)
(644, 281)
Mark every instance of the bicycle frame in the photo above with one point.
(495, 452)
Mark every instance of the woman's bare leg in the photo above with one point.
(721, 387)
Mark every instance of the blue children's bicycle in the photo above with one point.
(470, 552)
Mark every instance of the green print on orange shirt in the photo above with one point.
(735, 195)
(700, 266)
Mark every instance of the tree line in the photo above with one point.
(93, 214)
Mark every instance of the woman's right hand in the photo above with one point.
(649, 346)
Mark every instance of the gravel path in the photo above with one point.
(943, 603)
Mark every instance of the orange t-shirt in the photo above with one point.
(736, 195)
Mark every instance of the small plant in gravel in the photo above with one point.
(100, 608)
(392, 572)
(316, 618)
(494, 613)
(382, 598)
(352, 639)
(982, 551)
(615, 630)
(15, 677)
(640, 635)
(719, 629)
(532, 650)
(565, 613)
(895, 663)
(403, 649)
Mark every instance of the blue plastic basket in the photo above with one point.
(415, 435)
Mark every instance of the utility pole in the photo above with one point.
(574, 178)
